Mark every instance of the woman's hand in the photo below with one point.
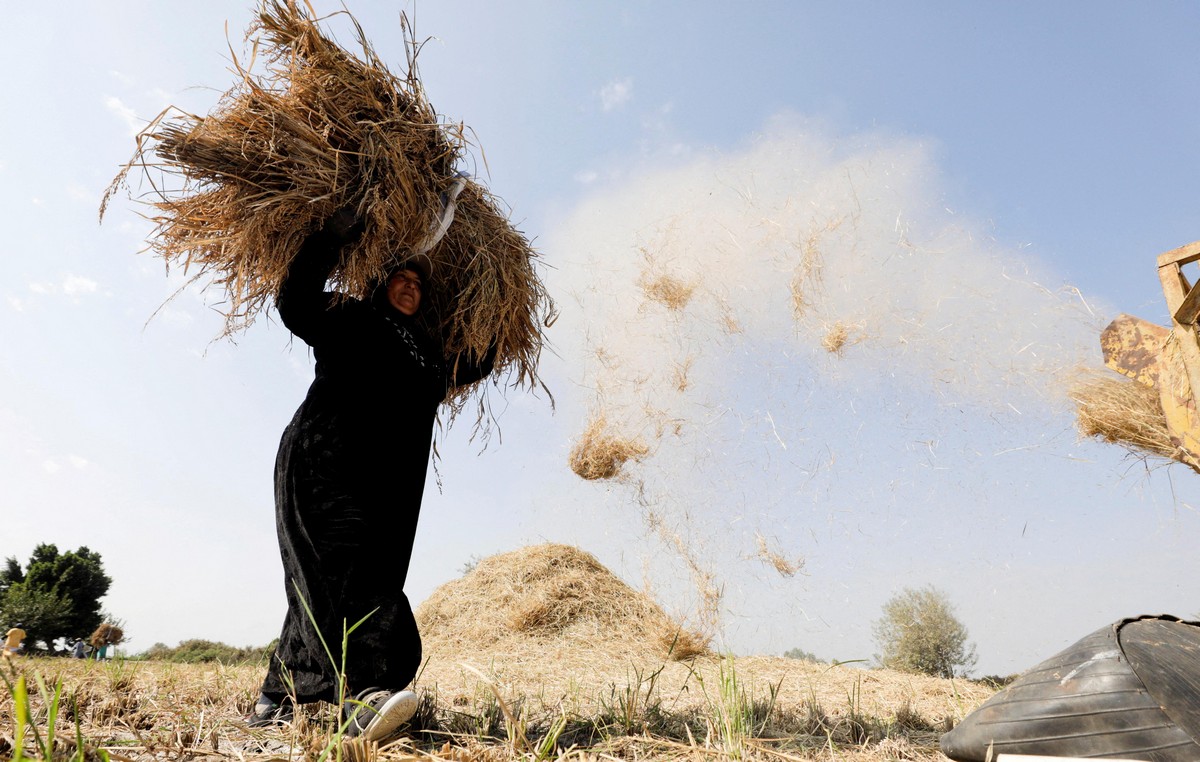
(344, 224)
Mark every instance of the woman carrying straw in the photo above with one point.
(348, 484)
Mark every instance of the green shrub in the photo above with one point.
(919, 633)
(199, 651)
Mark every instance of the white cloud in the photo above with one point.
(124, 79)
(71, 285)
(17, 305)
(126, 114)
(78, 462)
(616, 93)
(74, 285)
(77, 192)
(51, 467)
(586, 177)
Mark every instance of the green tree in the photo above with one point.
(39, 612)
(919, 633)
(10, 574)
(801, 654)
(56, 596)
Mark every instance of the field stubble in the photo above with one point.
(538, 654)
(533, 704)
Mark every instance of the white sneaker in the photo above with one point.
(375, 714)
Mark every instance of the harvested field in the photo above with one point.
(584, 679)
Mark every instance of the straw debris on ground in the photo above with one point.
(1124, 412)
(318, 130)
(600, 454)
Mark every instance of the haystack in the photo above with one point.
(1123, 412)
(601, 454)
(320, 130)
(546, 598)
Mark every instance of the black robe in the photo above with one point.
(348, 483)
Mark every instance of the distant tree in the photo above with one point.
(40, 613)
(800, 653)
(10, 574)
(200, 651)
(470, 564)
(56, 596)
(919, 633)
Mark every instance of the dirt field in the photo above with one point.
(538, 654)
(556, 705)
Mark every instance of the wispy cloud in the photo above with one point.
(126, 114)
(71, 285)
(121, 77)
(616, 93)
(74, 285)
(77, 192)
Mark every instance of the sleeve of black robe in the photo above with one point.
(464, 371)
(306, 308)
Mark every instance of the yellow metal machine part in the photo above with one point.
(1166, 358)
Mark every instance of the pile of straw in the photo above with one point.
(599, 454)
(319, 130)
(1123, 412)
(549, 595)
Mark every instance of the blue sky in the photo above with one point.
(987, 184)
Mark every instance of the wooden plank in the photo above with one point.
(1189, 309)
(1181, 256)
(1175, 290)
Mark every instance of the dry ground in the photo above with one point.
(633, 710)
(539, 654)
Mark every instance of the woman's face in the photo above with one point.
(404, 291)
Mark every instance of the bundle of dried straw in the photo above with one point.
(601, 454)
(320, 129)
(1123, 412)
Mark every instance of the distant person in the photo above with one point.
(79, 650)
(13, 640)
(349, 477)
